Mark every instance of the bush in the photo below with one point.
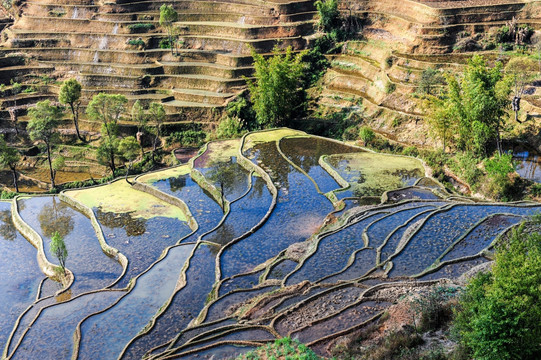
(194, 138)
(411, 151)
(140, 27)
(165, 44)
(230, 127)
(500, 312)
(390, 87)
(6, 195)
(136, 42)
(280, 349)
(367, 135)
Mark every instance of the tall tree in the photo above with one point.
(59, 249)
(156, 113)
(521, 71)
(107, 109)
(70, 94)
(9, 158)
(168, 16)
(476, 102)
(128, 148)
(43, 124)
(139, 117)
(276, 92)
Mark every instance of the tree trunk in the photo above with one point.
(154, 145)
(170, 39)
(499, 142)
(127, 174)
(76, 120)
(50, 165)
(112, 159)
(15, 182)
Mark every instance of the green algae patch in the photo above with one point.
(371, 174)
(269, 136)
(164, 174)
(223, 150)
(120, 197)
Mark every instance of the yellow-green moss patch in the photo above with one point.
(120, 197)
(164, 174)
(371, 174)
(267, 136)
(223, 150)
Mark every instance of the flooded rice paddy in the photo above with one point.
(162, 270)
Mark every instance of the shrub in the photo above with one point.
(136, 42)
(410, 151)
(284, 348)
(194, 138)
(6, 195)
(140, 27)
(366, 134)
(165, 44)
(500, 312)
(390, 87)
(230, 127)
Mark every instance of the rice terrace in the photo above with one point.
(270, 179)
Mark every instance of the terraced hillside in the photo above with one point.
(280, 233)
(381, 72)
(114, 47)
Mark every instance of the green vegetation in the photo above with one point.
(70, 94)
(43, 124)
(276, 93)
(367, 135)
(474, 106)
(59, 250)
(284, 348)
(193, 138)
(107, 109)
(499, 316)
(140, 27)
(9, 158)
(168, 16)
(129, 150)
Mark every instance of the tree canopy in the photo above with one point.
(70, 94)
(276, 92)
(473, 106)
(500, 312)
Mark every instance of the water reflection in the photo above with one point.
(527, 164)
(56, 217)
(132, 225)
(7, 230)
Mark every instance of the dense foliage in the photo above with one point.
(276, 93)
(500, 312)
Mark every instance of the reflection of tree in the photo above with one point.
(133, 226)
(56, 218)
(223, 235)
(258, 185)
(7, 230)
(176, 184)
(227, 175)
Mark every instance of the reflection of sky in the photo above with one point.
(527, 165)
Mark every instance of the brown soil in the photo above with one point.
(466, 3)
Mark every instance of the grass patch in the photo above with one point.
(164, 174)
(120, 197)
(268, 136)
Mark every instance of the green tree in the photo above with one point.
(128, 148)
(58, 248)
(521, 72)
(107, 109)
(329, 15)
(70, 94)
(276, 93)
(500, 312)
(139, 117)
(168, 16)
(43, 124)
(430, 79)
(9, 158)
(442, 125)
(476, 103)
(156, 114)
